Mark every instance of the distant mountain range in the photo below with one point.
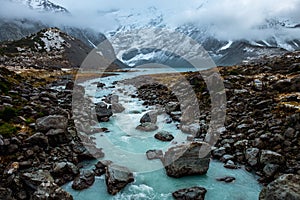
(133, 52)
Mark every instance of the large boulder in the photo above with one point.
(84, 180)
(117, 108)
(285, 187)
(193, 193)
(117, 177)
(150, 117)
(187, 159)
(44, 124)
(50, 191)
(103, 111)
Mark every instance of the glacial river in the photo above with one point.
(126, 146)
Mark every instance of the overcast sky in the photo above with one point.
(228, 18)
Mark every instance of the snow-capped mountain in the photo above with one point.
(131, 44)
(42, 6)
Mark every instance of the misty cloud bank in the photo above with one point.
(225, 19)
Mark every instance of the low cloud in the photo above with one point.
(226, 19)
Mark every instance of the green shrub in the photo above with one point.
(8, 113)
(7, 129)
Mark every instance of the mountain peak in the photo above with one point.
(42, 6)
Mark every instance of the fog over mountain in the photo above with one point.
(226, 19)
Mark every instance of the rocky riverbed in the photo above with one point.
(262, 126)
(41, 149)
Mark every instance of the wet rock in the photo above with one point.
(150, 117)
(251, 155)
(172, 106)
(286, 186)
(44, 124)
(84, 180)
(50, 191)
(117, 108)
(187, 159)
(64, 172)
(154, 154)
(268, 156)
(100, 167)
(193, 193)
(226, 179)
(103, 112)
(117, 177)
(231, 165)
(147, 126)
(100, 85)
(58, 136)
(164, 136)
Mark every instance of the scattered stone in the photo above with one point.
(193, 193)
(44, 124)
(268, 156)
(226, 179)
(251, 156)
(84, 180)
(50, 191)
(147, 126)
(64, 172)
(164, 136)
(117, 177)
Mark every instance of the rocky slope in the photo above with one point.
(48, 48)
(42, 5)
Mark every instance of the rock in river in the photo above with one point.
(117, 177)
(193, 193)
(187, 159)
(164, 136)
(103, 111)
(84, 180)
(150, 117)
(147, 126)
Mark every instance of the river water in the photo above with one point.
(126, 146)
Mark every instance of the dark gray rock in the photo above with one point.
(193, 193)
(84, 180)
(117, 108)
(103, 112)
(64, 172)
(50, 191)
(164, 136)
(187, 159)
(117, 177)
(226, 179)
(251, 155)
(5, 194)
(100, 167)
(44, 124)
(150, 117)
(147, 126)
(285, 187)
(268, 156)
(36, 178)
(218, 153)
(270, 169)
(38, 139)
